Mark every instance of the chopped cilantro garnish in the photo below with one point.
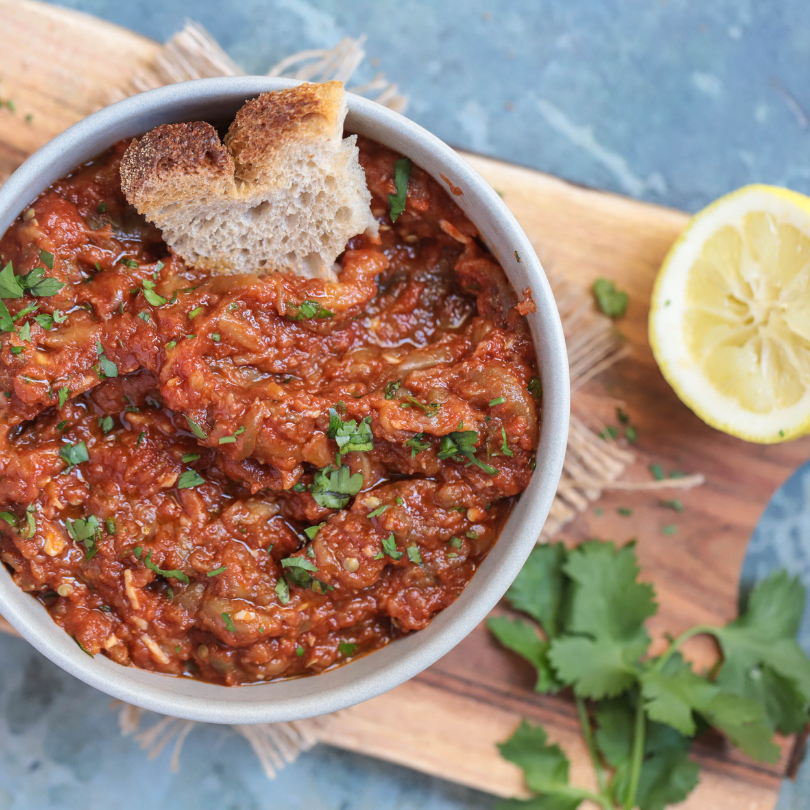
(622, 416)
(347, 649)
(417, 444)
(311, 531)
(332, 488)
(108, 368)
(396, 202)
(144, 316)
(46, 258)
(196, 429)
(505, 447)
(62, 425)
(189, 479)
(414, 556)
(215, 337)
(73, 454)
(611, 301)
(85, 531)
(350, 437)
(399, 500)
(171, 344)
(670, 529)
(101, 208)
(228, 623)
(63, 395)
(131, 263)
(456, 542)
(110, 523)
(299, 562)
(609, 433)
(106, 424)
(496, 401)
(430, 409)
(308, 310)
(630, 434)
(217, 571)
(390, 547)
(137, 552)
(378, 511)
(535, 387)
(9, 518)
(155, 299)
(141, 436)
(16, 349)
(673, 504)
(462, 443)
(283, 591)
(299, 486)
(195, 312)
(657, 472)
(391, 388)
(625, 511)
(45, 321)
(10, 286)
(189, 457)
(179, 575)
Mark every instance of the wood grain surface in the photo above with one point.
(447, 721)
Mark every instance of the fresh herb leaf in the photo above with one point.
(196, 429)
(522, 638)
(155, 299)
(396, 202)
(189, 479)
(144, 316)
(311, 531)
(347, 649)
(535, 387)
(624, 511)
(391, 388)
(308, 310)
(390, 547)
(414, 555)
(333, 488)
(63, 394)
(45, 321)
(85, 531)
(462, 443)
(611, 301)
(217, 571)
(417, 444)
(657, 471)
(673, 504)
(46, 258)
(62, 425)
(106, 424)
(179, 575)
(505, 447)
(378, 511)
(110, 523)
(350, 437)
(73, 454)
(299, 562)
(108, 368)
(496, 401)
(10, 286)
(228, 623)
(283, 591)
(9, 518)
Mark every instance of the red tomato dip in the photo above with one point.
(237, 478)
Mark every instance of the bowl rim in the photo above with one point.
(378, 672)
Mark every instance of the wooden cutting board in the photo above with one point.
(58, 65)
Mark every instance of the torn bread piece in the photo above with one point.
(285, 191)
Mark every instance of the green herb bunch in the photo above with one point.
(639, 713)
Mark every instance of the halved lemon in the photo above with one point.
(730, 314)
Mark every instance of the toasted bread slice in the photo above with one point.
(284, 192)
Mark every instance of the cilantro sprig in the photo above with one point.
(588, 633)
(611, 302)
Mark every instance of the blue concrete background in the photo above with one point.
(672, 101)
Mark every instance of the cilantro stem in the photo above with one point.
(587, 733)
(637, 755)
(701, 629)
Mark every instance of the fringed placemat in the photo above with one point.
(592, 464)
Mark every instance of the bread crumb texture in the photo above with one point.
(285, 191)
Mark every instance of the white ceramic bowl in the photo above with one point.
(217, 100)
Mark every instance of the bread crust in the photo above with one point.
(171, 155)
(284, 191)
